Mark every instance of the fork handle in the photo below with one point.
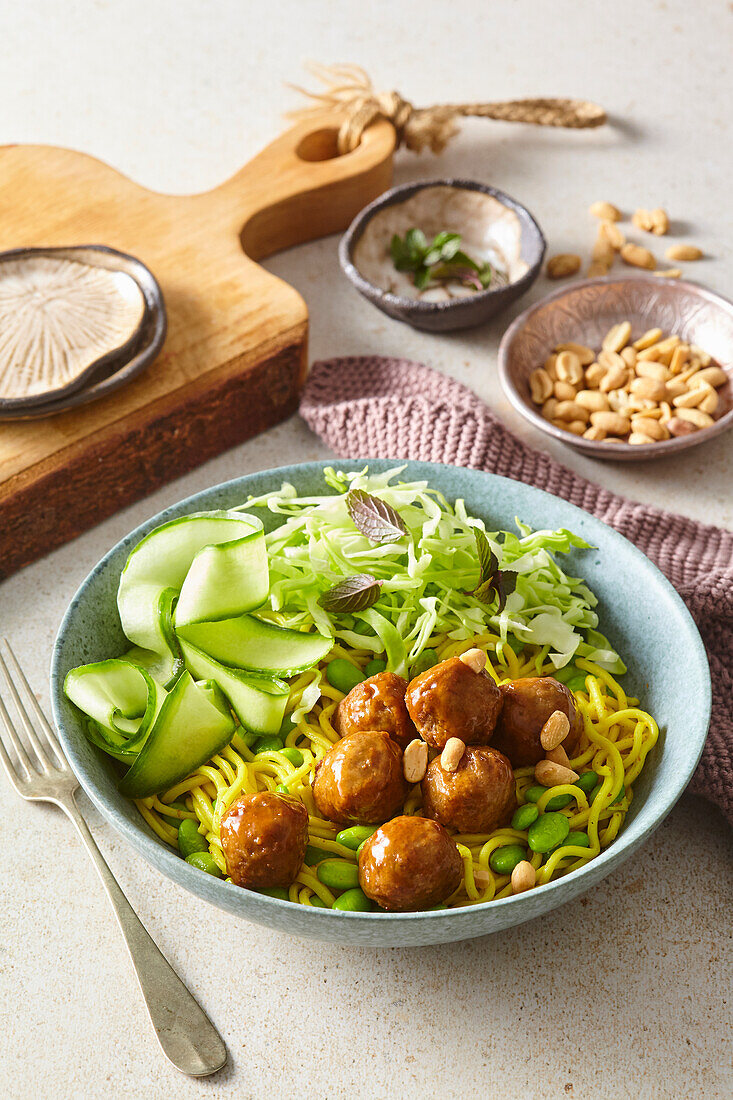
(185, 1032)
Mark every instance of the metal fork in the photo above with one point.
(185, 1033)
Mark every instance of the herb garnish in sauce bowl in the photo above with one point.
(438, 261)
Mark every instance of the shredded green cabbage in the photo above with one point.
(427, 575)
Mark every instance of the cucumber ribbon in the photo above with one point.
(184, 599)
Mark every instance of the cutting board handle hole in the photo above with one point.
(319, 145)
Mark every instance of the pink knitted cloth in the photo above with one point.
(394, 408)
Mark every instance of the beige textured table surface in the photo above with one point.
(624, 993)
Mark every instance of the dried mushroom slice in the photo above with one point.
(60, 321)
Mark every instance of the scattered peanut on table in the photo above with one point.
(633, 391)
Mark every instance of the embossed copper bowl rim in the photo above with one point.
(518, 392)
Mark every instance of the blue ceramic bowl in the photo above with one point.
(639, 610)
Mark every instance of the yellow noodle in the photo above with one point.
(616, 739)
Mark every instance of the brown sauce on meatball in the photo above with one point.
(478, 797)
(451, 700)
(264, 837)
(410, 863)
(360, 780)
(528, 703)
(377, 704)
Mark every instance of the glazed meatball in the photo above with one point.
(478, 797)
(528, 703)
(377, 704)
(360, 780)
(410, 863)
(451, 700)
(264, 837)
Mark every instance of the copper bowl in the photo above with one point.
(583, 312)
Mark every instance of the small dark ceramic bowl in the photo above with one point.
(460, 312)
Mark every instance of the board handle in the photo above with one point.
(299, 188)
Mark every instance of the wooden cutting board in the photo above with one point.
(234, 358)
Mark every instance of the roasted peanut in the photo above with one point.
(637, 256)
(568, 410)
(550, 774)
(617, 337)
(605, 210)
(577, 427)
(524, 877)
(650, 388)
(619, 401)
(593, 400)
(584, 354)
(563, 265)
(475, 659)
(629, 356)
(609, 359)
(668, 273)
(638, 439)
(611, 422)
(597, 269)
(703, 356)
(569, 368)
(642, 219)
(540, 386)
(614, 379)
(692, 398)
(549, 408)
(597, 435)
(593, 375)
(649, 426)
(558, 756)
(680, 355)
(563, 391)
(415, 760)
(696, 417)
(611, 232)
(713, 376)
(683, 252)
(660, 222)
(452, 754)
(709, 402)
(648, 368)
(650, 337)
(555, 730)
(602, 251)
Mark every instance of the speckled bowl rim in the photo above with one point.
(401, 193)
(601, 448)
(323, 923)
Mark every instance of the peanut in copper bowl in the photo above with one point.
(638, 609)
(583, 312)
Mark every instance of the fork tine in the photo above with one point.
(36, 706)
(17, 744)
(30, 732)
(10, 769)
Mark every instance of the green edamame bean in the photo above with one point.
(578, 840)
(425, 660)
(338, 874)
(504, 860)
(267, 744)
(282, 789)
(621, 795)
(276, 892)
(313, 855)
(559, 802)
(577, 682)
(190, 839)
(355, 835)
(353, 901)
(525, 815)
(295, 756)
(342, 675)
(318, 903)
(534, 794)
(587, 781)
(547, 832)
(375, 667)
(565, 673)
(204, 862)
